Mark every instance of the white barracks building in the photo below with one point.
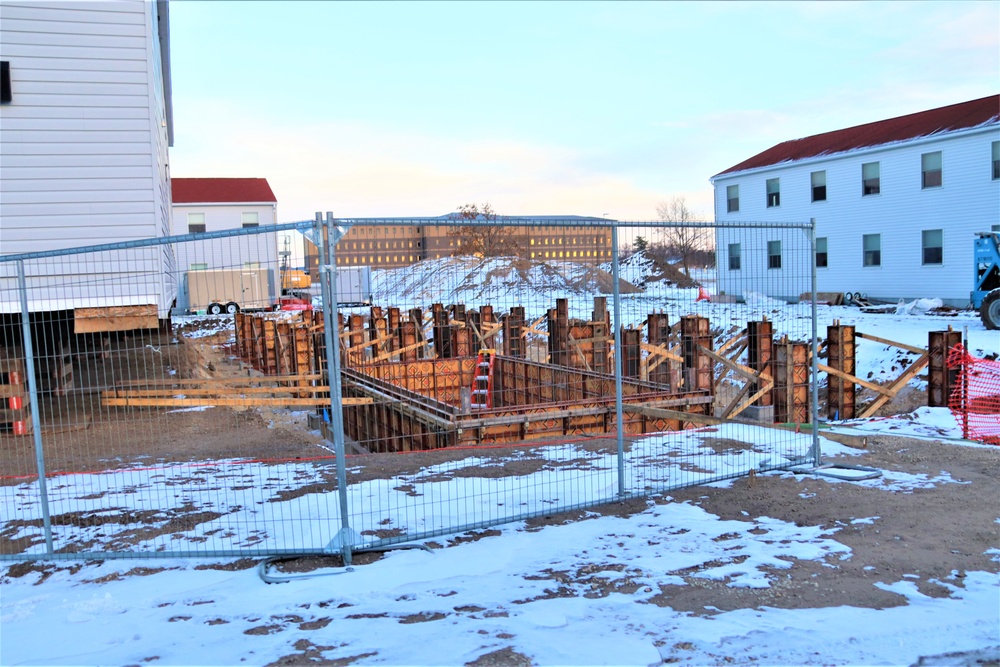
(896, 202)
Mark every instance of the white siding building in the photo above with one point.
(219, 204)
(896, 204)
(85, 125)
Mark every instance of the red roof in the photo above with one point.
(221, 190)
(922, 124)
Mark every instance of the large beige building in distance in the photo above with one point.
(394, 246)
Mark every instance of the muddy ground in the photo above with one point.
(924, 535)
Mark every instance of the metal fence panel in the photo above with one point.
(486, 371)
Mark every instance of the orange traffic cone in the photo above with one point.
(703, 295)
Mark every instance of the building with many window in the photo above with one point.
(896, 204)
(394, 246)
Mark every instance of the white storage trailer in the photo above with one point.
(217, 291)
(354, 286)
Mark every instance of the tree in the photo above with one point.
(486, 238)
(640, 243)
(686, 243)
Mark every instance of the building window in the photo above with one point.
(930, 168)
(196, 223)
(996, 160)
(774, 254)
(932, 241)
(819, 186)
(821, 253)
(734, 256)
(199, 266)
(251, 265)
(872, 244)
(773, 192)
(870, 181)
(251, 219)
(732, 199)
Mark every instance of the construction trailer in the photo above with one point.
(215, 291)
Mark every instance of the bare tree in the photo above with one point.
(487, 238)
(687, 243)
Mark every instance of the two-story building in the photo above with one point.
(85, 125)
(896, 203)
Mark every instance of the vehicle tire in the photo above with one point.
(857, 296)
(214, 309)
(990, 310)
(232, 308)
(848, 298)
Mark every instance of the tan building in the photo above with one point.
(393, 246)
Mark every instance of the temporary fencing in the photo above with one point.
(975, 398)
(420, 377)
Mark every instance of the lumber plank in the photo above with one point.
(225, 402)
(115, 318)
(852, 378)
(897, 385)
(886, 341)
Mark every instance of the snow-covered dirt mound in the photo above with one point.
(500, 279)
(643, 267)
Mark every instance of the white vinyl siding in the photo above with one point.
(83, 145)
(967, 202)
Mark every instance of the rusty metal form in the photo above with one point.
(417, 318)
(418, 405)
(631, 353)
(760, 344)
(558, 328)
(941, 380)
(378, 331)
(791, 383)
(488, 327)
(698, 369)
(356, 343)
(841, 356)
(394, 319)
(461, 341)
(513, 325)
(658, 333)
(442, 332)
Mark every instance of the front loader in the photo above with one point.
(986, 288)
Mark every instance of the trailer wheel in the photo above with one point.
(232, 308)
(990, 310)
(214, 309)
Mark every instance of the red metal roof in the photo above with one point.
(221, 190)
(924, 123)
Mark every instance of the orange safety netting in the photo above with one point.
(975, 398)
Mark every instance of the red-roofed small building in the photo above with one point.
(896, 204)
(218, 204)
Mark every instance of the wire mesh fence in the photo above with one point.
(173, 397)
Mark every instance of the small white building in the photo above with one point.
(85, 125)
(219, 204)
(896, 204)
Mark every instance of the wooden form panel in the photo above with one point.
(439, 379)
(791, 383)
(941, 380)
(840, 349)
(760, 343)
(699, 369)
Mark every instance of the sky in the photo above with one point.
(545, 108)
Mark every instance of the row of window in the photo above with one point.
(871, 180)
(931, 247)
(196, 221)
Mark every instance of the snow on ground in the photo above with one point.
(456, 604)
(459, 603)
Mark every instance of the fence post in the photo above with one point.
(617, 326)
(328, 281)
(814, 345)
(36, 425)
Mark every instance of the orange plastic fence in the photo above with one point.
(975, 398)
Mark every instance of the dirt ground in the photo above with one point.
(924, 534)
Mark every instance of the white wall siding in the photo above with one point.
(83, 148)
(967, 201)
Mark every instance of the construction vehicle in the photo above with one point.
(986, 287)
(295, 280)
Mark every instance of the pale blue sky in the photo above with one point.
(589, 108)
